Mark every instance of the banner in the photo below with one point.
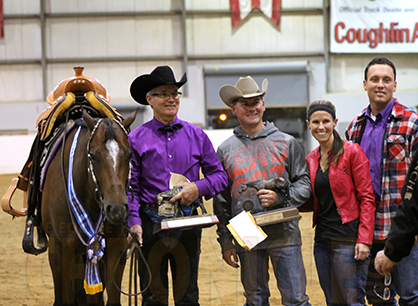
(368, 26)
(241, 8)
(1, 20)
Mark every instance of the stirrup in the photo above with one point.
(28, 244)
(20, 183)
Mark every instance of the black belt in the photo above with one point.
(153, 206)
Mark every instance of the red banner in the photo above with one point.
(1, 20)
(241, 8)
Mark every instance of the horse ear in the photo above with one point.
(130, 119)
(89, 120)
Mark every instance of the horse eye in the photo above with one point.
(92, 157)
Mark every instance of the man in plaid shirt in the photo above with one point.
(388, 133)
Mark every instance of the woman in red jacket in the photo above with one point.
(343, 208)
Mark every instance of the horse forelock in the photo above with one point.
(110, 131)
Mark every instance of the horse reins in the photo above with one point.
(135, 254)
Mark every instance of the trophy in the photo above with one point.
(273, 216)
(179, 216)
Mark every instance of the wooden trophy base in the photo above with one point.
(277, 216)
(184, 223)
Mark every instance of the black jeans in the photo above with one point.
(178, 249)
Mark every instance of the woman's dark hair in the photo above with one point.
(338, 144)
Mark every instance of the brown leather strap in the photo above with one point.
(6, 201)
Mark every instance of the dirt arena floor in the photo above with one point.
(25, 280)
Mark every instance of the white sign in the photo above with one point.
(374, 26)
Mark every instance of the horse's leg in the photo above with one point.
(61, 260)
(114, 268)
(54, 256)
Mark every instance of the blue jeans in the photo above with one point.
(342, 278)
(404, 279)
(289, 271)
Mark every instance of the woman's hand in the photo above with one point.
(362, 251)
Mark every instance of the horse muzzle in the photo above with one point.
(117, 213)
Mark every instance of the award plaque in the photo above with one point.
(184, 223)
(171, 210)
(277, 216)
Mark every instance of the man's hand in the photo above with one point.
(138, 230)
(267, 197)
(231, 258)
(383, 264)
(361, 251)
(188, 194)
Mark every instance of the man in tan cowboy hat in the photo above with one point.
(259, 151)
(160, 147)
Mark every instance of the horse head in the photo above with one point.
(109, 156)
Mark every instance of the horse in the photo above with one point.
(100, 162)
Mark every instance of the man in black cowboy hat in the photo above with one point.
(160, 147)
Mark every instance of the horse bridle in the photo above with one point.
(135, 252)
(90, 166)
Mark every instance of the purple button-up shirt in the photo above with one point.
(157, 153)
(372, 142)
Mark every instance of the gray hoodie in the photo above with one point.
(264, 155)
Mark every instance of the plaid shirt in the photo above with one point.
(400, 142)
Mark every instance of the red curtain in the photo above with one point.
(1, 20)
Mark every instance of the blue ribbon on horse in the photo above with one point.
(96, 244)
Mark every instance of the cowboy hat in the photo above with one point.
(162, 75)
(245, 88)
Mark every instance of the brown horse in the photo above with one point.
(100, 177)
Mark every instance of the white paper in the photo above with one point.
(247, 230)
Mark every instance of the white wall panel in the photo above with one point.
(120, 78)
(93, 38)
(347, 74)
(20, 83)
(18, 148)
(59, 6)
(211, 36)
(302, 3)
(294, 34)
(207, 5)
(21, 7)
(314, 27)
(22, 40)
(63, 38)
(407, 74)
(121, 40)
(112, 37)
(155, 37)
